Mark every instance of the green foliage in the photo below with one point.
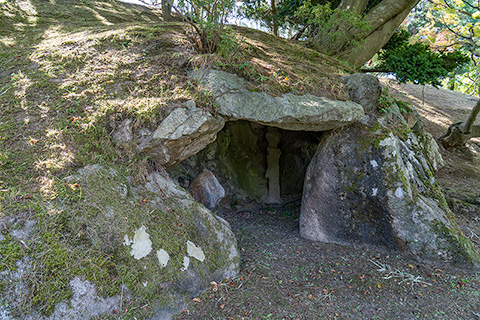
(388, 103)
(454, 60)
(416, 62)
(331, 28)
(399, 38)
(207, 19)
(258, 10)
(11, 251)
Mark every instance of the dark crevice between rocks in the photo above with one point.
(259, 167)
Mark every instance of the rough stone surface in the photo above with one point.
(273, 169)
(213, 230)
(184, 132)
(85, 303)
(152, 235)
(365, 90)
(123, 133)
(289, 112)
(237, 158)
(206, 189)
(378, 189)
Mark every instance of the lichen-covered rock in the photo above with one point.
(184, 132)
(123, 133)
(289, 112)
(378, 188)
(206, 189)
(365, 90)
(219, 244)
(111, 242)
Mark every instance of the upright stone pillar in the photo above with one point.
(273, 169)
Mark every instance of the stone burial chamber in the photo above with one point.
(363, 177)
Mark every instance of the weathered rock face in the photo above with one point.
(206, 189)
(365, 90)
(378, 188)
(149, 242)
(123, 133)
(184, 132)
(219, 258)
(289, 112)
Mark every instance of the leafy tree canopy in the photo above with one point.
(416, 62)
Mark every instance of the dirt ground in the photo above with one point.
(286, 277)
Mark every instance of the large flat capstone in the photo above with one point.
(289, 112)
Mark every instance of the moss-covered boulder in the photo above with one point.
(110, 245)
(377, 187)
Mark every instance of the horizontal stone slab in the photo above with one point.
(289, 111)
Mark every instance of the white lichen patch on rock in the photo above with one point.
(127, 241)
(163, 257)
(142, 245)
(195, 251)
(186, 263)
(399, 193)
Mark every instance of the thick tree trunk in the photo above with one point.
(274, 19)
(357, 6)
(167, 10)
(383, 20)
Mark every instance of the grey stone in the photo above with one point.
(237, 158)
(365, 90)
(273, 168)
(207, 223)
(24, 233)
(85, 303)
(184, 132)
(378, 189)
(206, 189)
(123, 133)
(289, 112)
(210, 244)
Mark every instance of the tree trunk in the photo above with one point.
(274, 19)
(459, 133)
(167, 10)
(383, 20)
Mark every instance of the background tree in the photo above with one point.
(263, 11)
(454, 24)
(374, 22)
(416, 62)
(459, 133)
(167, 10)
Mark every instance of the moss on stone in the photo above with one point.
(82, 234)
(11, 250)
(464, 253)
